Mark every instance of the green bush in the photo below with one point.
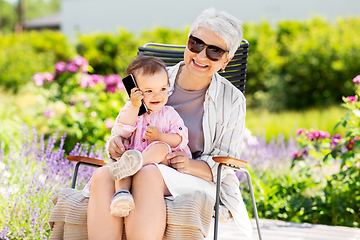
(22, 55)
(323, 184)
(108, 53)
(83, 106)
(164, 35)
(301, 64)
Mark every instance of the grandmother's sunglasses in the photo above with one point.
(213, 53)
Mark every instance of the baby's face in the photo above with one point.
(154, 89)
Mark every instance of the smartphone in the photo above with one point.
(129, 83)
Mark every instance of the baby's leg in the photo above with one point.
(123, 184)
(156, 153)
(122, 201)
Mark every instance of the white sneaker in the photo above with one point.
(122, 203)
(129, 164)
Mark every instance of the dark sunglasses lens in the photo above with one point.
(195, 45)
(214, 53)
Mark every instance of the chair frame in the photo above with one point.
(235, 72)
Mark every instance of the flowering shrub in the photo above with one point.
(333, 162)
(83, 105)
(28, 179)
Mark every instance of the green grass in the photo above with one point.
(286, 123)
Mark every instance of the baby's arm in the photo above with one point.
(153, 134)
(130, 115)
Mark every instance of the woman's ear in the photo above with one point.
(226, 63)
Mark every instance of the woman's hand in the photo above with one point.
(118, 146)
(152, 133)
(179, 160)
(136, 96)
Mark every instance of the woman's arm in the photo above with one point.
(182, 163)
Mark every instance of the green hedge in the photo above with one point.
(302, 64)
(23, 55)
(293, 65)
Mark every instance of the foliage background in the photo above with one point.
(293, 67)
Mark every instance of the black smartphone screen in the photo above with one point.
(129, 83)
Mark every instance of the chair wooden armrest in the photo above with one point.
(82, 159)
(230, 161)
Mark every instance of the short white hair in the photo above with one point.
(223, 24)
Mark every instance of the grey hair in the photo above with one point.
(223, 24)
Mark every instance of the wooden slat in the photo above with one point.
(83, 159)
(230, 161)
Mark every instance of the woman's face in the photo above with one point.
(198, 63)
(154, 89)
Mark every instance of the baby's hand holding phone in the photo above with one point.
(136, 96)
(130, 83)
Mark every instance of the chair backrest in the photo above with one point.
(235, 71)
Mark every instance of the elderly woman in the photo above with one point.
(214, 112)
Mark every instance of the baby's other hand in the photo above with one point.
(152, 133)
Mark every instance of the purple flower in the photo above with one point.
(335, 139)
(356, 80)
(39, 79)
(60, 67)
(71, 67)
(351, 98)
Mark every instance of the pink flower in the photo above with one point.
(110, 89)
(79, 60)
(97, 78)
(39, 79)
(71, 67)
(351, 99)
(299, 154)
(60, 67)
(323, 134)
(48, 113)
(356, 80)
(109, 123)
(121, 86)
(87, 104)
(112, 82)
(82, 63)
(48, 76)
(350, 145)
(87, 81)
(300, 131)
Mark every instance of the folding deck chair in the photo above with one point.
(235, 72)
